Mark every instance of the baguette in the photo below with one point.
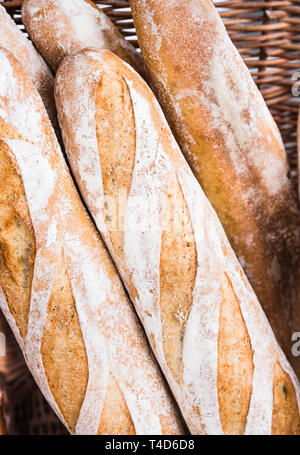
(232, 144)
(59, 290)
(71, 26)
(12, 39)
(206, 327)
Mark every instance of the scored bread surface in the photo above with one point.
(203, 320)
(59, 289)
(229, 138)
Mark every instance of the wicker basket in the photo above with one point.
(267, 35)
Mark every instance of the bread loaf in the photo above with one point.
(60, 27)
(206, 327)
(59, 289)
(232, 144)
(15, 41)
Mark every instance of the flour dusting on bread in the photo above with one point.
(114, 342)
(219, 275)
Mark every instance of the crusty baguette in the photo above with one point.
(12, 39)
(232, 144)
(205, 325)
(60, 27)
(59, 290)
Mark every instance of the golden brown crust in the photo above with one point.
(115, 404)
(59, 28)
(231, 143)
(116, 146)
(178, 266)
(201, 316)
(235, 363)
(63, 349)
(285, 419)
(81, 325)
(17, 242)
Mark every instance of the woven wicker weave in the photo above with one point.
(267, 35)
